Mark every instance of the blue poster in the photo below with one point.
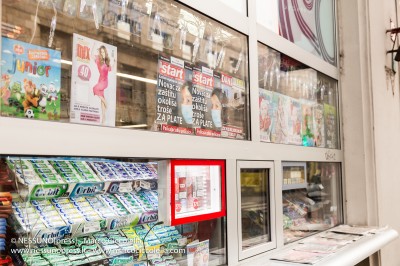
(30, 81)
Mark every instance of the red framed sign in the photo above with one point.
(197, 190)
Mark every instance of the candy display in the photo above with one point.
(60, 212)
(141, 201)
(37, 215)
(98, 206)
(110, 171)
(34, 171)
(75, 171)
(75, 210)
(114, 243)
(113, 203)
(74, 252)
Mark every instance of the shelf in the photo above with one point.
(294, 186)
(351, 254)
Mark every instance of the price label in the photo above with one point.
(182, 241)
(145, 184)
(84, 72)
(125, 187)
(178, 207)
(91, 227)
(195, 204)
(200, 193)
(153, 254)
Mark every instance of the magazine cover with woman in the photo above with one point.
(93, 88)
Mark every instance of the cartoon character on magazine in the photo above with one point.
(32, 95)
(16, 89)
(43, 101)
(53, 94)
(5, 91)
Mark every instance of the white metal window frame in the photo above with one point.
(28, 137)
(244, 254)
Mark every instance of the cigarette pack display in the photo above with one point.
(191, 190)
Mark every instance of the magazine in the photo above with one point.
(330, 126)
(233, 103)
(198, 253)
(320, 247)
(174, 102)
(354, 230)
(267, 114)
(307, 128)
(94, 82)
(207, 114)
(30, 81)
(299, 257)
(280, 127)
(319, 125)
(340, 236)
(294, 122)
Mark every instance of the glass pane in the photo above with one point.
(124, 190)
(197, 190)
(298, 105)
(309, 24)
(311, 198)
(255, 207)
(155, 65)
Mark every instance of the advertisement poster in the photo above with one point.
(30, 81)
(267, 115)
(294, 123)
(307, 128)
(198, 253)
(330, 126)
(174, 109)
(233, 100)
(319, 125)
(280, 127)
(207, 119)
(94, 83)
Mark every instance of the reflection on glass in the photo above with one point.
(254, 207)
(196, 243)
(309, 24)
(298, 105)
(313, 204)
(206, 243)
(162, 47)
